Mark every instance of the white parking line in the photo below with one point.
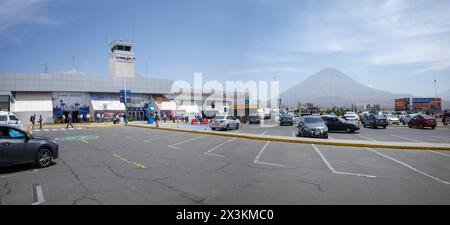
(265, 163)
(364, 137)
(18, 174)
(264, 132)
(440, 153)
(160, 137)
(54, 129)
(439, 137)
(178, 148)
(209, 152)
(408, 166)
(79, 128)
(338, 172)
(38, 196)
(404, 138)
(63, 128)
(45, 129)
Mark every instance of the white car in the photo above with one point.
(224, 122)
(10, 119)
(407, 118)
(392, 119)
(352, 117)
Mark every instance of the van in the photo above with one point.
(10, 119)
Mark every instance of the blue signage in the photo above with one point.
(423, 100)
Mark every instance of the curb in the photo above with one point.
(302, 141)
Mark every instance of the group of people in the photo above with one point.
(33, 121)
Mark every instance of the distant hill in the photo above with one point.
(332, 87)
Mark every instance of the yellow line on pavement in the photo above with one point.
(135, 164)
(303, 141)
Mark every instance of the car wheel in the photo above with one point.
(228, 127)
(43, 158)
(213, 128)
(300, 134)
(348, 130)
(237, 126)
(421, 126)
(409, 125)
(384, 127)
(433, 128)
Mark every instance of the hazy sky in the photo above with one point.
(398, 46)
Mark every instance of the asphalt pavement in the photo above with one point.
(127, 165)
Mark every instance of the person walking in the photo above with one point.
(33, 120)
(40, 121)
(156, 119)
(63, 118)
(69, 120)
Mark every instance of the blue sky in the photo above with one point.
(394, 45)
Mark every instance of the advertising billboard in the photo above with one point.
(402, 104)
(427, 104)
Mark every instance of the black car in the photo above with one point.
(337, 124)
(19, 147)
(312, 126)
(286, 119)
(254, 119)
(374, 121)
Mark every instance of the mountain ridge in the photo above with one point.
(331, 87)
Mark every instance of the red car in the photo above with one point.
(422, 121)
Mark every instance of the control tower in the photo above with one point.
(121, 59)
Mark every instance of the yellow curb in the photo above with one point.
(105, 126)
(300, 141)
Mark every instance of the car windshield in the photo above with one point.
(313, 120)
(391, 116)
(219, 117)
(379, 117)
(12, 117)
(427, 117)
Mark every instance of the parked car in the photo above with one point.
(337, 124)
(8, 118)
(253, 119)
(422, 121)
(351, 116)
(19, 147)
(286, 119)
(374, 121)
(392, 119)
(407, 118)
(312, 126)
(224, 122)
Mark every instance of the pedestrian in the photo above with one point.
(63, 118)
(88, 117)
(117, 118)
(40, 121)
(69, 120)
(156, 119)
(33, 120)
(444, 118)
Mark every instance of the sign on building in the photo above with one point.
(402, 104)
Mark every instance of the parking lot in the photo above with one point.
(127, 165)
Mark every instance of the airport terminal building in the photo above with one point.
(52, 95)
(78, 94)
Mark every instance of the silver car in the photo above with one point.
(224, 122)
(312, 126)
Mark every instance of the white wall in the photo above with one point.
(29, 102)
